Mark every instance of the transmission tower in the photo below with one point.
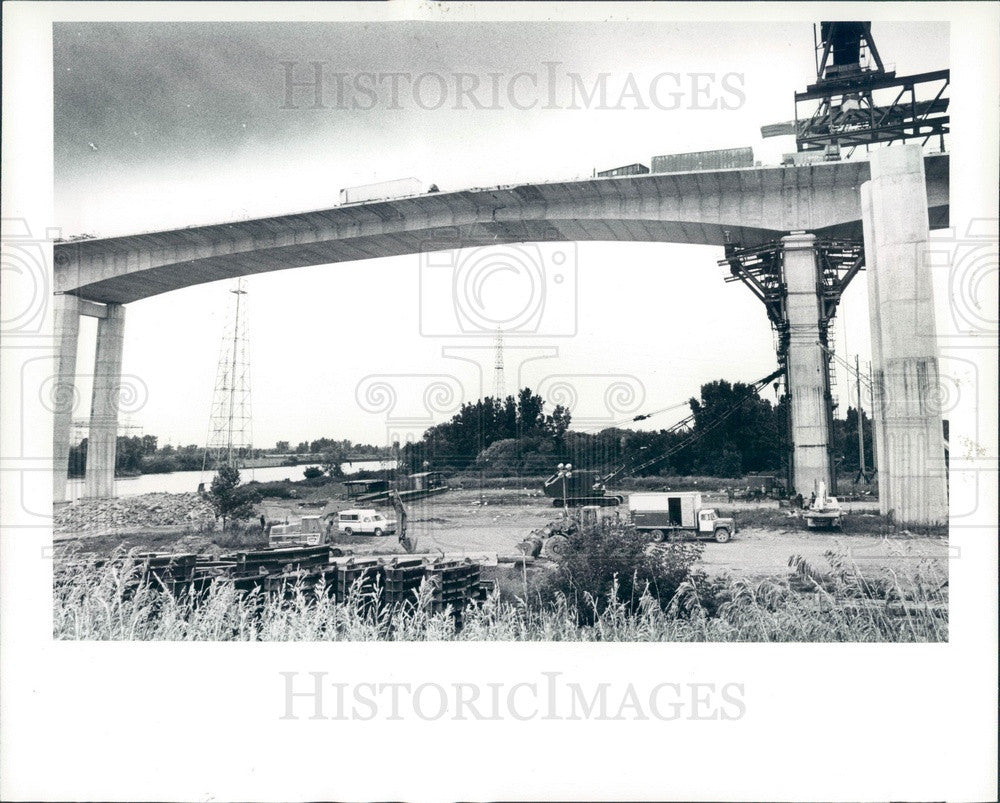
(498, 377)
(230, 431)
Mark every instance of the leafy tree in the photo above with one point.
(732, 418)
(729, 464)
(845, 440)
(508, 418)
(334, 455)
(312, 472)
(530, 413)
(129, 452)
(229, 499)
(78, 459)
(478, 425)
(558, 423)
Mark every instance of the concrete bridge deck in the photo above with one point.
(752, 205)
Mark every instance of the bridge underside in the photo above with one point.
(749, 207)
(141, 284)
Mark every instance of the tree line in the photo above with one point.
(738, 433)
(142, 454)
(733, 432)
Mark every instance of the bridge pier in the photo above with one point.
(908, 427)
(102, 441)
(66, 330)
(807, 374)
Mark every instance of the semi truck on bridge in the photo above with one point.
(385, 190)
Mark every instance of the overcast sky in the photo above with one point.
(159, 126)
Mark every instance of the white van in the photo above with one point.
(364, 522)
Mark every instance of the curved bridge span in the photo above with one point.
(746, 206)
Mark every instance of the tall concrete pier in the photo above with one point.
(807, 369)
(908, 431)
(103, 439)
(66, 330)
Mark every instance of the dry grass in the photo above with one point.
(840, 604)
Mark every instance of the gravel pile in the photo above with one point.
(148, 510)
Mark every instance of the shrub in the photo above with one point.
(614, 563)
(159, 464)
(279, 489)
(241, 535)
(312, 473)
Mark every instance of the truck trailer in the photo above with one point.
(677, 516)
(626, 170)
(382, 190)
(725, 159)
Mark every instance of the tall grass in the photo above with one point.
(112, 602)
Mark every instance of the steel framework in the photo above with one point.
(760, 269)
(499, 380)
(230, 435)
(843, 110)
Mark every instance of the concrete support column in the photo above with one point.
(66, 331)
(875, 323)
(102, 442)
(807, 368)
(909, 437)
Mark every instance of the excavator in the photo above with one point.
(588, 487)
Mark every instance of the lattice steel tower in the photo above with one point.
(498, 377)
(230, 434)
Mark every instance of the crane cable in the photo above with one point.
(694, 435)
(642, 417)
(850, 368)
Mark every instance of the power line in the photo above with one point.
(846, 364)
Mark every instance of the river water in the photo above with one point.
(184, 481)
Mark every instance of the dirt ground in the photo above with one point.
(456, 522)
(489, 523)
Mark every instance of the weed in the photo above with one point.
(116, 600)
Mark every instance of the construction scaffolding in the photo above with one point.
(857, 101)
(761, 270)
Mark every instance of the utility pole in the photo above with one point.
(871, 400)
(861, 427)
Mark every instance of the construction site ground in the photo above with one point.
(491, 523)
